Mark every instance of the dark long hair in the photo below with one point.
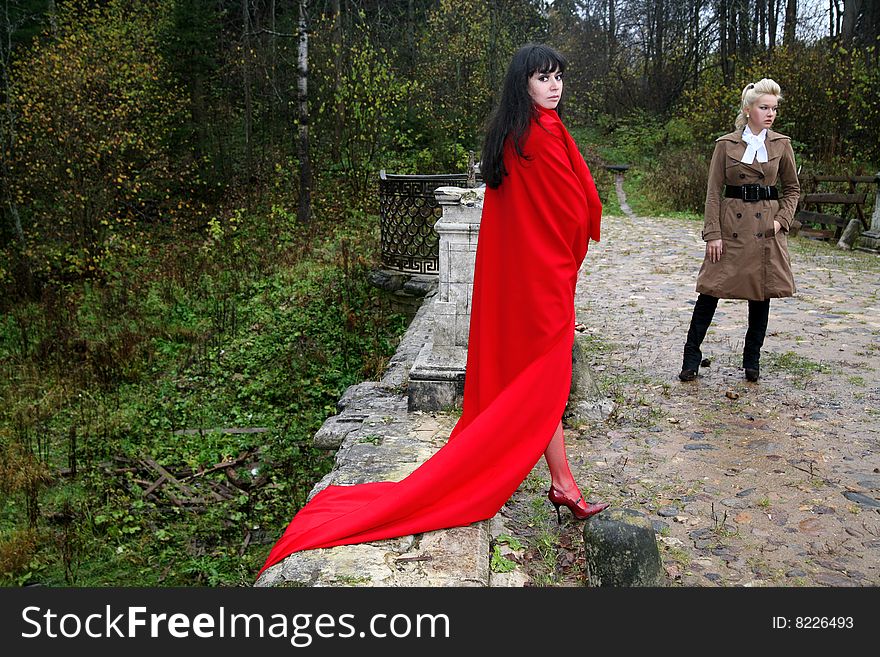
(515, 109)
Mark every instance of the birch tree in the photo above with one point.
(304, 212)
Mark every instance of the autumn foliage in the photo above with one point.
(92, 162)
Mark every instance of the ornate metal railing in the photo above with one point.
(408, 212)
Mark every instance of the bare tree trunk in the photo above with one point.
(760, 25)
(612, 32)
(304, 213)
(694, 39)
(724, 41)
(772, 22)
(788, 34)
(871, 24)
(7, 130)
(649, 60)
(410, 37)
(833, 17)
(495, 12)
(339, 119)
(246, 82)
(660, 54)
(273, 31)
(744, 19)
(732, 37)
(277, 98)
(852, 11)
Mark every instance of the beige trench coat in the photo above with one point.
(754, 262)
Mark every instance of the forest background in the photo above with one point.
(189, 213)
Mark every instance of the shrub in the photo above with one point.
(677, 180)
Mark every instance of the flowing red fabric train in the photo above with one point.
(533, 237)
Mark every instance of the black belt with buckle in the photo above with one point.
(751, 193)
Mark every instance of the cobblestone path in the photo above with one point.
(775, 483)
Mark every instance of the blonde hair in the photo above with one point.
(750, 95)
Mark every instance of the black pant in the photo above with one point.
(704, 310)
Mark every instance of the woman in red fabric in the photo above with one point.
(540, 210)
(540, 193)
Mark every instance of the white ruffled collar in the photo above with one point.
(755, 146)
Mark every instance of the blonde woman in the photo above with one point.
(751, 199)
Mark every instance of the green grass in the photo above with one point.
(546, 544)
(678, 555)
(799, 367)
(499, 563)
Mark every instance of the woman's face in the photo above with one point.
(546, 88)
(762, 113)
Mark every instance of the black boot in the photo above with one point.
(759, 312)
(704, 311)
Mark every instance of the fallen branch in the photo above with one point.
(219, 466)
(169, 478)
(161, 480)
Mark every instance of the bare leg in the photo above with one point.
(564, 489)
(560, 474)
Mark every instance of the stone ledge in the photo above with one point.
(436, 379)
(388, 447)
(450, 557)
(379, 440)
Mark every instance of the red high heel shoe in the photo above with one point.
(559, 499)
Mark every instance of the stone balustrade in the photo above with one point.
(436, 380)
(870, 239)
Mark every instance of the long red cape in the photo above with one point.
(534, 233)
